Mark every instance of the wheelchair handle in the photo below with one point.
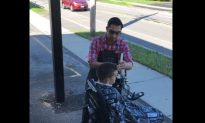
(135, 96)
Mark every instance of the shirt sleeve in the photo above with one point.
(127, 53)
(92, 55)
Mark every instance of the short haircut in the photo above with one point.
(115, 21)
(106, 70)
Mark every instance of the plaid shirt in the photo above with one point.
(99, 43)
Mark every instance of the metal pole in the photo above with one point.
(92, 17)
(56, 37)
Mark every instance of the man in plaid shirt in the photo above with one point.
(107, 48)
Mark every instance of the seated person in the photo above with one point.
(121, 107)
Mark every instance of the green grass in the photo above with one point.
(118, 2)
(87, 34)
(143, 1)
(153, 60)
(129, 2)
(37, 8)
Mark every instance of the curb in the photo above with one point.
(151, 7)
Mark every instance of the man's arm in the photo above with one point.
(125, 65)
(92, 55)
(127, 62)
(95, 64)
(122, 65)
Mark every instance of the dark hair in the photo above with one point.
(106, 70)
(115, 21)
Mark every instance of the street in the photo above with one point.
(149, 28)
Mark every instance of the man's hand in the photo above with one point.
(124, 65)
(121, 65)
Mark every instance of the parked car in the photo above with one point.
(75, 4)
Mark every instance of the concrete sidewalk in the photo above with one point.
(157, 87)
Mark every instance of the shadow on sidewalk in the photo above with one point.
(42, 102)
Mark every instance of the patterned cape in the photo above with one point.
(125, 110)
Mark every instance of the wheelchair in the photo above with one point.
(97, 110)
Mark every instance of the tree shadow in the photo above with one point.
(138, 19)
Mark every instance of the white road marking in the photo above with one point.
(76, 23)
(40, 43)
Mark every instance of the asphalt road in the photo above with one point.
(150, 28)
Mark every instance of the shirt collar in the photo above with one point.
(103, 84)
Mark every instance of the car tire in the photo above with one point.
(63, 6)
(71, 8)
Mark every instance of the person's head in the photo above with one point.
(114, 27)
(107, 73)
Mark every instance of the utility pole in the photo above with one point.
(92, 17)
(56, 37)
